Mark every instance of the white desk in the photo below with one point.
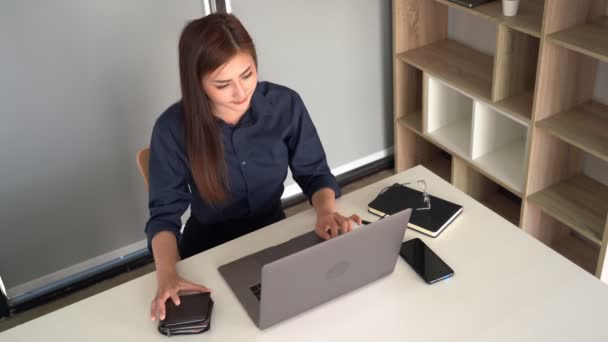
(507, 287)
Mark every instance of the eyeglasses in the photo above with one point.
(426, 199)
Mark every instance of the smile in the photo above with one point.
(240, 102)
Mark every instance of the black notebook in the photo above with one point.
(470, 3)
(430, 222)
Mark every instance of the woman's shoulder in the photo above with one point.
(275, 92)
(171, 120)
(279, 98)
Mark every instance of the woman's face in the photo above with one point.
(230, 86)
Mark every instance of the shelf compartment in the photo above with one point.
(519, 106)
(412, 121)
(441, 166)
(528, 19)
(499, 146)
(476, 184)
(506, 165)
(504, 205)
(407, 101)
(455, 64)
(485, 11)
(580, 202)
(449, 115)
(454, 138)
(578, 250)
(515, 72)
(584, 126)
(590, 39)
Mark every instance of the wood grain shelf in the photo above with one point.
(412, 121)
(440, 166)
(528, 19)
(455, 64)
(584, 126)
(506, 165)
(519, 106)
(483, 11)
(503, 206)
(580, 202)
(590, 39)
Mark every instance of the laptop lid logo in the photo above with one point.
(337, 270)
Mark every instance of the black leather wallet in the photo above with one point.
(192, 316)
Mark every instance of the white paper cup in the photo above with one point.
(510, 7)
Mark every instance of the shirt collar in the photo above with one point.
(245, 121)
(259, 102)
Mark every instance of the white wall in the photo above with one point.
(81, 84)
(337, 56)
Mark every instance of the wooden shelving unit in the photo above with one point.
(503, 206)
(515, 72)
(519, 105)
(507, 165)
(453, 138)
(584, 126)
(577, 249)
(441, 166)
(485, 190)
(589, 38)
(567, 124)
(449, 116)
(527, 21)
(579, 202)
(455, 64)
(517, 124)
(499, 146)
(412, 121)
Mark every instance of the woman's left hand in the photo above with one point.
(332, 224)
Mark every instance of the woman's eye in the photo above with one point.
(222, 86)
(248, 75)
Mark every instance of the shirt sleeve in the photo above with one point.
(169, 193)
(307, 159)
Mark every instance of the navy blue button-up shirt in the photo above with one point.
(276, 132)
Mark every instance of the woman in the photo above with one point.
(224, 149)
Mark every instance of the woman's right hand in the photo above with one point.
(169, 286)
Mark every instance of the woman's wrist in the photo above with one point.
(166, 256)
(166, 270)
(165, 276)
(325, 211)
(324, 201)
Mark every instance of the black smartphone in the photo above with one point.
(424, 261)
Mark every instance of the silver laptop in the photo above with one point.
(284, 280)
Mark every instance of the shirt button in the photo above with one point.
(243, 163)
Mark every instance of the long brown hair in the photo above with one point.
(206, 44)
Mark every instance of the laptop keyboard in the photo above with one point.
(257, 290)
